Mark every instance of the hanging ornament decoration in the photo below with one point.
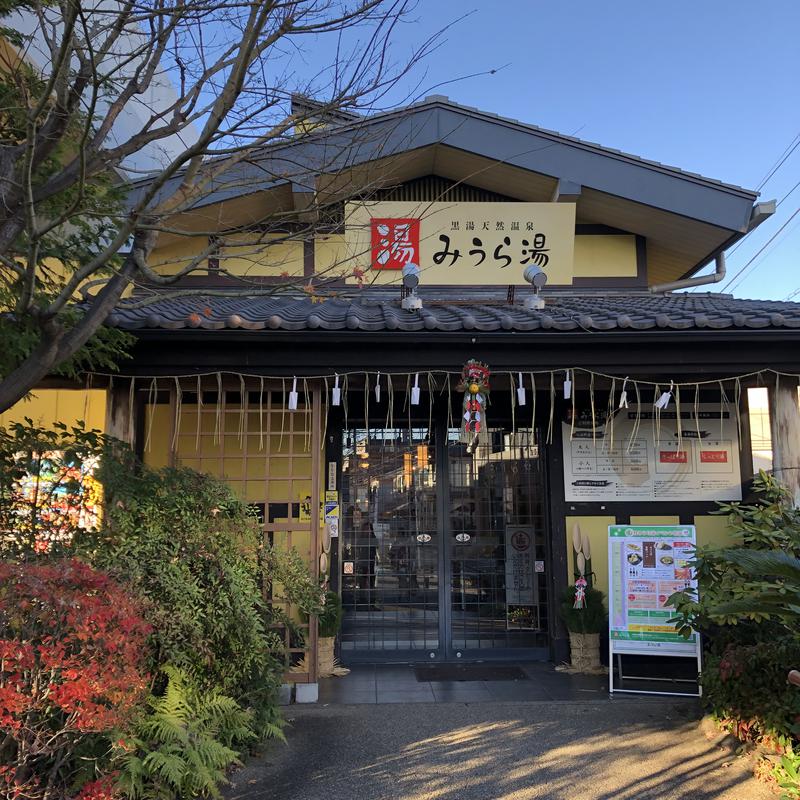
(520, 390)
(580, 593)
(568, 385)
(475, 385)
(293, 396)
(415, 391)
(623, 398)
(378, 388)
(663, 401)
(336, 392)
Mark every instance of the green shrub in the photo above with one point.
(191, 548)
(748, 609)
(182, 748)
(590, 619)
(330, 616)
(184, 542)
(747, 686)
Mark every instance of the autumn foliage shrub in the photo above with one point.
(72, 644)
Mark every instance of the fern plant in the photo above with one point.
(182, 747)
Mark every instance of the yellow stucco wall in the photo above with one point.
(47, 406)
(605, 256)
(711, 530)
(596, 256)
(247, 256)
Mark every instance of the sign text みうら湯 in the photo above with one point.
(454, 243)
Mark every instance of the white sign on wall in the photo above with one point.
(520, 553)
(654, 457)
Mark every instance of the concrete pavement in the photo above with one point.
(628, 748)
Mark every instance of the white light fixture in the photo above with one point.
(410, 282)
(537, 278)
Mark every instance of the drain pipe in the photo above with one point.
(700, 280)
(759, 213)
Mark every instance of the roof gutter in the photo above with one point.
(761, 212)
(700, 280)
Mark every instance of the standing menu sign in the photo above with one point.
(648, 563)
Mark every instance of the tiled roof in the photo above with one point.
(382, 312)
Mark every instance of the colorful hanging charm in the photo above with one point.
(475, 385)
(580, 593)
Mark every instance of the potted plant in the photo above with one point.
(329, 621)
(585, 624)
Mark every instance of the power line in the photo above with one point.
(793, 145)
(781, 160)
(761, 250)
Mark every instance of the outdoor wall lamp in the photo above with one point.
(410, 301)
(537, 278)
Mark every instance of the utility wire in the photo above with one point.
(793, 145)
(761, 250)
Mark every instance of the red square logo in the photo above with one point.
(674, 457)
(395, 243)
(713, 456)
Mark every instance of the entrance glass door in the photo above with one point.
(390, 548)
(443, 552)
(496, 546)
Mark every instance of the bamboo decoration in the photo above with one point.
(218, 409)
(199, 414)
(582, 555)
(151, 401)
(131, 408)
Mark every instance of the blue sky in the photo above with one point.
(709, 86)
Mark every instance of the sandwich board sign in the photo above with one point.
(647, 564)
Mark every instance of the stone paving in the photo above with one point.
(380, 735)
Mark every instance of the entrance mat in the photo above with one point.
(469, 672)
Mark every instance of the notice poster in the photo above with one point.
(519, 566)
(520, 578)
(652, 456)
(647, 564)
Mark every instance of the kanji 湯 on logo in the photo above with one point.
(395, 243)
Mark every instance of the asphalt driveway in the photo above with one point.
(630, 748)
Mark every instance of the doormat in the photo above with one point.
(469, 672)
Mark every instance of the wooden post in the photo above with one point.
(784, 414)
(118, 413)
(316, 503)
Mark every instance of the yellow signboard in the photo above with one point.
(461, 243)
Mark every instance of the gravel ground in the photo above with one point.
(631, 749)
